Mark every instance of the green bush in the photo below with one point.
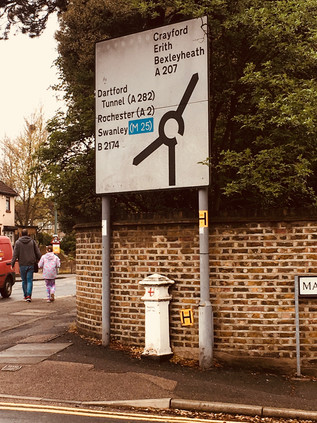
(43, 238)
(68, 244)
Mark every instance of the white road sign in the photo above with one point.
(307, 286)
(152, 109)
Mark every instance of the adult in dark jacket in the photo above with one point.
(27, 253)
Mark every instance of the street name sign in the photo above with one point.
(307, 286)
(151, 93)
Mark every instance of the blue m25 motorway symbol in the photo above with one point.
(140, 126)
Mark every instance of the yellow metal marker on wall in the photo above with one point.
(187, 317)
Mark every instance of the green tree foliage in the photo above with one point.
(44, 238)
(263, 103)
(68, 244)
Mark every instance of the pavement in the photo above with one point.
(43, 358)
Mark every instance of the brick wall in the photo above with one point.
(252, 269)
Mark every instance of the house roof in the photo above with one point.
(5, 189)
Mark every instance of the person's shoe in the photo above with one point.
(52, 297)
(48, 300)
(28, 299)
(25, 298)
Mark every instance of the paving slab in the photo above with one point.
(30, 353)
(38, 338)
(32, 312)
(11, 368)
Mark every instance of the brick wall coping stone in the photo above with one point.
(154, 220)
(140, 221)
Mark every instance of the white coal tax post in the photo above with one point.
(152, 127)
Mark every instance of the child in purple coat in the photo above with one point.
(49, 262)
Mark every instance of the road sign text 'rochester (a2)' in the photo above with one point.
(152, 109)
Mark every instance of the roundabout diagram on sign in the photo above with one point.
(163, 138)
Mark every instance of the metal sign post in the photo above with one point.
(105, 270)
(298, 372)
(205, 308)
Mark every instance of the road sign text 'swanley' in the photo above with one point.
(152, 109)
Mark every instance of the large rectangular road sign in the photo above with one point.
(152, 109)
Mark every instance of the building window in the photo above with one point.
(10, 235)
(8, 205)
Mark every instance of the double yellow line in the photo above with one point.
(102, 414)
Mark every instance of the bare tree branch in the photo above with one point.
(28, 16)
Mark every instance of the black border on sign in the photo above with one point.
(299, 292)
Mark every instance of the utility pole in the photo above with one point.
(55, 218)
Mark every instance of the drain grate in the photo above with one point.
(11, 368)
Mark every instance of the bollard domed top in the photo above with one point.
(157, 280)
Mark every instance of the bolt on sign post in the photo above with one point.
(151, 102)
(305, 287)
